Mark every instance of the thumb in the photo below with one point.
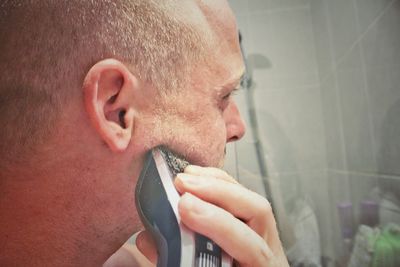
(146, 245)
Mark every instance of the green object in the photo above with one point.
(387, 248)
(363, 249)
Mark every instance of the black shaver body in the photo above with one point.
(157, 205)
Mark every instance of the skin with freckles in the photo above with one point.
(70, 202)
(212, 202)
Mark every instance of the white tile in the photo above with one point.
(258, 5)
(339, 186)
(296, 79)
(264, 78)
(285, 40)
(247, 157)
(356, 124)
(362, 187)
(239, 7)
(273, 4)
(280, 148)
(332, 124)
(384, 94)
(351, 60)
(259, 49)
(291, 49)
(322, 39)
(343, 26)
(382, 41)
(314, 187)
(292, 129)
(251, 180)
(390, 184)
(243, 27)
(284, 189)
(230, 164)
(369, 10)
(339, 189)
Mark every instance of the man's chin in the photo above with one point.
(221, 163)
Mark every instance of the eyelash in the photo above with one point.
(225, 99)
(232, 93)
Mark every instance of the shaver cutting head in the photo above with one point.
(157, 204)
(176, 164)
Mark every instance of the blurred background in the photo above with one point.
(321, 101)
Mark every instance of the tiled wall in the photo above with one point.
(279, 41)
(358, 54)
(327, 93)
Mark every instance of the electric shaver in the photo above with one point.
(157, 205)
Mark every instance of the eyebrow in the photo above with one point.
(243, 75)
(237, 80)
(232, 82)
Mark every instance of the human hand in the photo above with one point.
(240, 221)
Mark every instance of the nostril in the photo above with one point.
(234, 138)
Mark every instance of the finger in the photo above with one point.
(254, 209)
(209, 171)
(225, 230)
(146, 245)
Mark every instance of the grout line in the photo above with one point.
(362, 35)
(366, 89)
(297, 172)
(369, 174)
(319, 82)
(290, 88)
(329, 247)
(240, 11)
(336, 87)
(330, 74)
(375, 21)
(282, 174)
(276, 10)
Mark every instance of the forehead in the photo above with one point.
(220, 18)
(225, 42)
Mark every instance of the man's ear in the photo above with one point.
(109, 96)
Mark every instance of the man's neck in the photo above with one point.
(36, 230)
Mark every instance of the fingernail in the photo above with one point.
(188, 179)
(193, 204)
(193, 169)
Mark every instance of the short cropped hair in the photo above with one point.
(47, 47)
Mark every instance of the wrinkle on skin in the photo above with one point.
(194, 125)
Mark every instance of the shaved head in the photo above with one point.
(87, 87)
(47, 46)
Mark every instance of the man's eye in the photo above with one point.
(232, 93)
(226, 97)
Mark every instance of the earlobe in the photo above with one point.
(109, 96)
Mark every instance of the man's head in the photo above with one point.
(48, 46)
(87, 87)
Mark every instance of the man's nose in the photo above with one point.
(235, 127)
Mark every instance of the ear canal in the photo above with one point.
(121, 116)
(112, 99)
